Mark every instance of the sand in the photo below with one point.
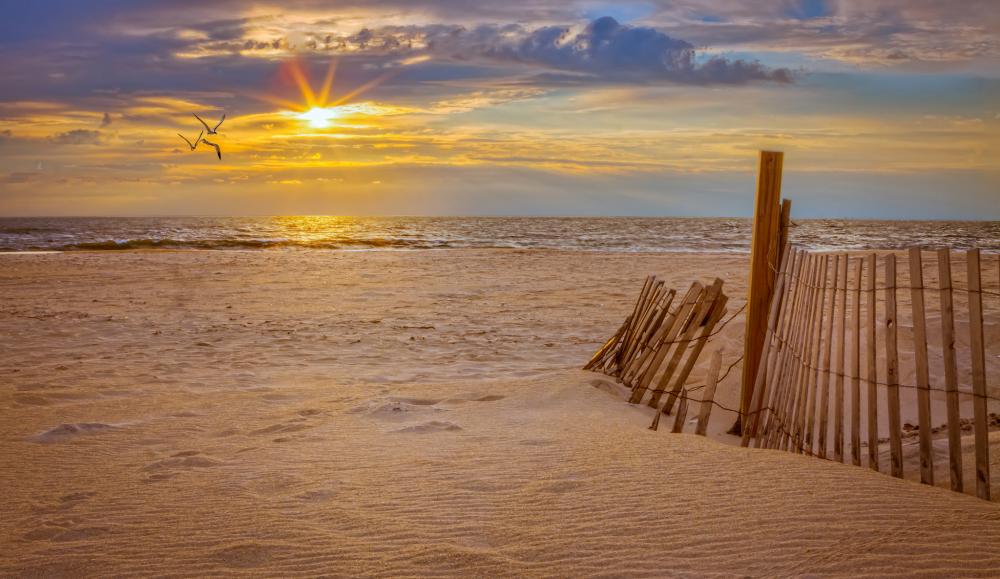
(402, 413)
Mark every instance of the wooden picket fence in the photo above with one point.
(832, 361)
(658, 345)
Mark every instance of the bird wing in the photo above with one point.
(218, 149)
(201, 121)
(198, 140)
(185, 140)
(220, 122)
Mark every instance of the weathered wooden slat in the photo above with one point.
(645, 319)
(645, 314)
(824, 395)
(978, 351)
(780, 422)
(923, 372)
(651, 341)
(950, 369)
(708, 397)
(782, 425)
(841, 342)
(814, 356)
(798, 347)
(662, 341)
(643, 338)
(779, 432)
(715, 314)
(608, 346)
(686, 344)
(855, 351)
(646, 286)
(871, 351)
(774, 373)
(637, 310)
(806, 356)
(680, 321)
(751, 424)
(682, 410)
(892, 368)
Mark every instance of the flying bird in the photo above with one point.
(211, 130)
(193, 145)
(218, 150)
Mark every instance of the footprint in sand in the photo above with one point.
(246, 555)
(168, 468)
(474, 398)
(68, 431)
(416, 401)
(428, 427)
(65, 502)
(65, 531)
(316, 496)
(274, 484)
(398, 409)
(285, 427)
(537, 442)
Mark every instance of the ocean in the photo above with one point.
(617, 234)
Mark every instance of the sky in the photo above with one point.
(883, 108)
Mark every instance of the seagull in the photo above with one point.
(218, 150)
(196, 141)
(211, 130)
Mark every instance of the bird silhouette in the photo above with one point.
(211, 130)
(193, 145)
(218, 150)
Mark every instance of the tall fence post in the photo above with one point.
(765, 251)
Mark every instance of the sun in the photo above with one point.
(319, 110)
(320, 117)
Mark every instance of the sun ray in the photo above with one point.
(365, 88)
(324, 93)
(300, 79)
(318, 110)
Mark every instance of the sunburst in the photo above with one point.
(317, 108)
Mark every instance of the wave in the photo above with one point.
(616, 235)
(360, 244)
(26, 230)
(135, 244)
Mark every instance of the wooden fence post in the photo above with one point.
(872, 367)
(978, 347)
(923, 373)
(765, 243)
(892, 369)
(708, 398)
(950, 369)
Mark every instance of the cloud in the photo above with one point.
(604, 49)
(19, 177)
(77, 137)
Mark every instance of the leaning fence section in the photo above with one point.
(658, 345)
(851, 343)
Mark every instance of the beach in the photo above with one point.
(407, 413)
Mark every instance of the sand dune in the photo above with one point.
(198, 414)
